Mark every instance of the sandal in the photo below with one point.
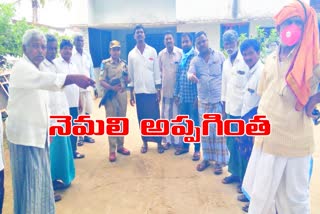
(57, 197)
(181, 151)
(167, 146)
(203, 165)
(230, 179)
(88, 139)
(246, 208)
(196, 156)
(160, 149)
(80, 142)
(77, 155)
(242, 198)
(123, 151)
(217, 169)
(58, 185)
(144, 149)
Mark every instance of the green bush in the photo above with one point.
(11, 33)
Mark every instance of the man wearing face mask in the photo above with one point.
(206, 70)
(169, 59)
(234, 79)
(278, 173)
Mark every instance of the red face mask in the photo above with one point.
(290, 35)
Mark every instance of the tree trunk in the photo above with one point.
(35, 7)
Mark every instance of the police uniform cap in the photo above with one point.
(114, 44)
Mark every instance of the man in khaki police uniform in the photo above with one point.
(113, 78)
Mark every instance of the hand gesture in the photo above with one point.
(80, 80)
(193, 78)
(132, 100)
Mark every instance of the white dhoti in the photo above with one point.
(86, 101)
(275, 183)
(169, 111)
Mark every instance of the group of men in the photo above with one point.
(72, 100)
(272, 171)
(40, 85)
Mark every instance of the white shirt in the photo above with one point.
(251, 98)
(1, 147)
(28, 106)
(169, 64)
(71, 91)
(144, 70)
(84, 64)
(234, 80)
(58, 102)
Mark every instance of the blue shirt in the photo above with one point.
(209, 75)
(185, 89)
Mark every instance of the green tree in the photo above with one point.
(264, 40)
(11, 32)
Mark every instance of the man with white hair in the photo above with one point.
(234, 79)
(28, 123)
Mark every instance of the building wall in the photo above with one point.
(213, 29)
(121, 35)
(104, 12)
(82, 31)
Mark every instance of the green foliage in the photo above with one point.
(242, 37)
(61, 37)
(264, 40)
(67, 3)
(11, 32)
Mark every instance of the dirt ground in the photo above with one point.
(148, 183)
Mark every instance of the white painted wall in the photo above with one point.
(204, 9)
(138, 11)
(259, 8)
(212, 30)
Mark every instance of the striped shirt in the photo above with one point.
(185, 89)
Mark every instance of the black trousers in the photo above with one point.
(74, 114)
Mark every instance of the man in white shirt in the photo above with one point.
(169, 59)
(83, 62)
(65, 64)
(61, 153)
(144, 72)
(234, 79)
(28, 123)
(250, 50)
